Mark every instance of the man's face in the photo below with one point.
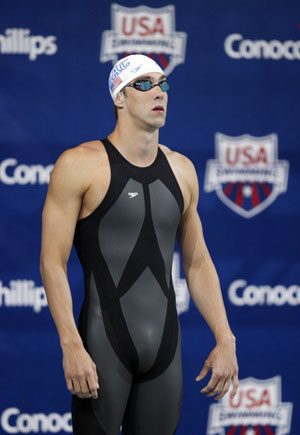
(147, 108)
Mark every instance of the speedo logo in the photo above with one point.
(12, 173)
(240, 294)
(19, 41)
(12, 421)
(132, 194)
(237, 47)
(23, 293)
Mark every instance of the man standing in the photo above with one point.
(123, 200)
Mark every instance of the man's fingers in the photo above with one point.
(96, 375)
(221, 387)
(80, 388)
(85, 388)
(76, 387)
(235, 381)
(70, 385)
(223, 364)
(218, 388)
(211, 384)
(203, 372)
(224, 390)
(93, 387)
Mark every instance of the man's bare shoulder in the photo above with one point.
(76, 166)
(86, 152)
(179, 161)
(81, 159)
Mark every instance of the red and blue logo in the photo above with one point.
(246, 174)
(256, 409)
(144, 30)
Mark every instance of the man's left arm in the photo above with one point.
(204, 287)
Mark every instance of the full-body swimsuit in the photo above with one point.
(128, 321)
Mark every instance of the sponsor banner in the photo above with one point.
(144, 30)
(13, 173)
(23, 293)
(246, 174)
(237, 47)
(257, 408)
(20, 41)
(15, 421)
(241, 294)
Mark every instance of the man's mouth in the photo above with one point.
(158, 109)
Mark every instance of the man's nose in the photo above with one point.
(158, 92)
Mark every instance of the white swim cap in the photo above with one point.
(127, 69)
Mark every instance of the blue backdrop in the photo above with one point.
(233, 110)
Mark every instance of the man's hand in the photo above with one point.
(80, 372)
(223, 363)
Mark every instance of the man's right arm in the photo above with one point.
(63, 203)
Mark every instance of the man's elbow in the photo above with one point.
(49, 264)
(189, 269)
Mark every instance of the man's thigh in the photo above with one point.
(105, 414)
(102, 416)
(154, 406)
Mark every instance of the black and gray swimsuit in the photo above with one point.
(128, 321)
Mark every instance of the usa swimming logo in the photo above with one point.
(144, 30)
(256, 409)
(246, 174)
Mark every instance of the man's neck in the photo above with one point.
(138, 146)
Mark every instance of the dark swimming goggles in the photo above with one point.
(145, 85)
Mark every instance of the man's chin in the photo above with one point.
(160, 123)
(154, 124)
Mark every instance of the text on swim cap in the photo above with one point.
(121, 66)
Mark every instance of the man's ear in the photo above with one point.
(119, 100)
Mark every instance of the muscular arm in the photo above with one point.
(205, 290)
(60, 215)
